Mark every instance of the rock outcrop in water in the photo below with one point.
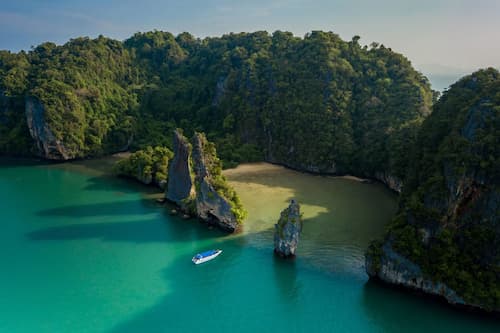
(197, 186)
(211, 206)
(391, 267)
(180, 186)
(445, 240)
(287, 230)
(47, 145)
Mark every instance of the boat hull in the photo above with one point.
(200, 260)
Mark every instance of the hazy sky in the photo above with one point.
(436, 35)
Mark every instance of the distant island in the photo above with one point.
(317, 104)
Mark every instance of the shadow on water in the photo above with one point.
(124, 207)
(162, 229)
(13, 162)
(396, 310)
(119, 184)
(285, 273)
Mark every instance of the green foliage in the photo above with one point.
(217, 179)
(309, 103)
(448, 222)
(316, 103)
(148, 166)
(14, 69)
(87, 90)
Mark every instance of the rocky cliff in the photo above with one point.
(180, 186)
(47, 145)
(211, 206)
(287, 230)
(446, 238)
(392, 182)
(196, 185)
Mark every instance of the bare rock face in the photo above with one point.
(211, 207)
(287, 230)
(445, 239)
(180, 187)
(393, 268)
(47, 145)
(195, 190)
(394, 183)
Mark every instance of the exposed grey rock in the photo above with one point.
(393, 268)
(211, 207)
(394, 183)
(476, 118)
(47, 145)
(180, 187)
(201, 200)
(457, 213)
(220, 91)
(287, 230)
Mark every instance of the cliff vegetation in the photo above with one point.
(316, 103)
(448, 224)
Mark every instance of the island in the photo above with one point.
(287, 230)
(445, 240)
(316, 104)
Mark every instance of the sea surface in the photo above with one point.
(82, 251)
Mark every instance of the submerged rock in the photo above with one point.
(287, 230)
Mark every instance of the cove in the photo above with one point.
(82, 251)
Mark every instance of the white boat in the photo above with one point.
(205, 256)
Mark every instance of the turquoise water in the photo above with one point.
(82, 252)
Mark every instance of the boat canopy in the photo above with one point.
(206, 254)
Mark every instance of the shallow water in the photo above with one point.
(84, 252)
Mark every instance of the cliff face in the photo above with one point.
(392, 182)
(446, 238)
(211, 206)
(47, 146)
(196, 185)
(391, 267)
(287, 230)
(180, 186)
